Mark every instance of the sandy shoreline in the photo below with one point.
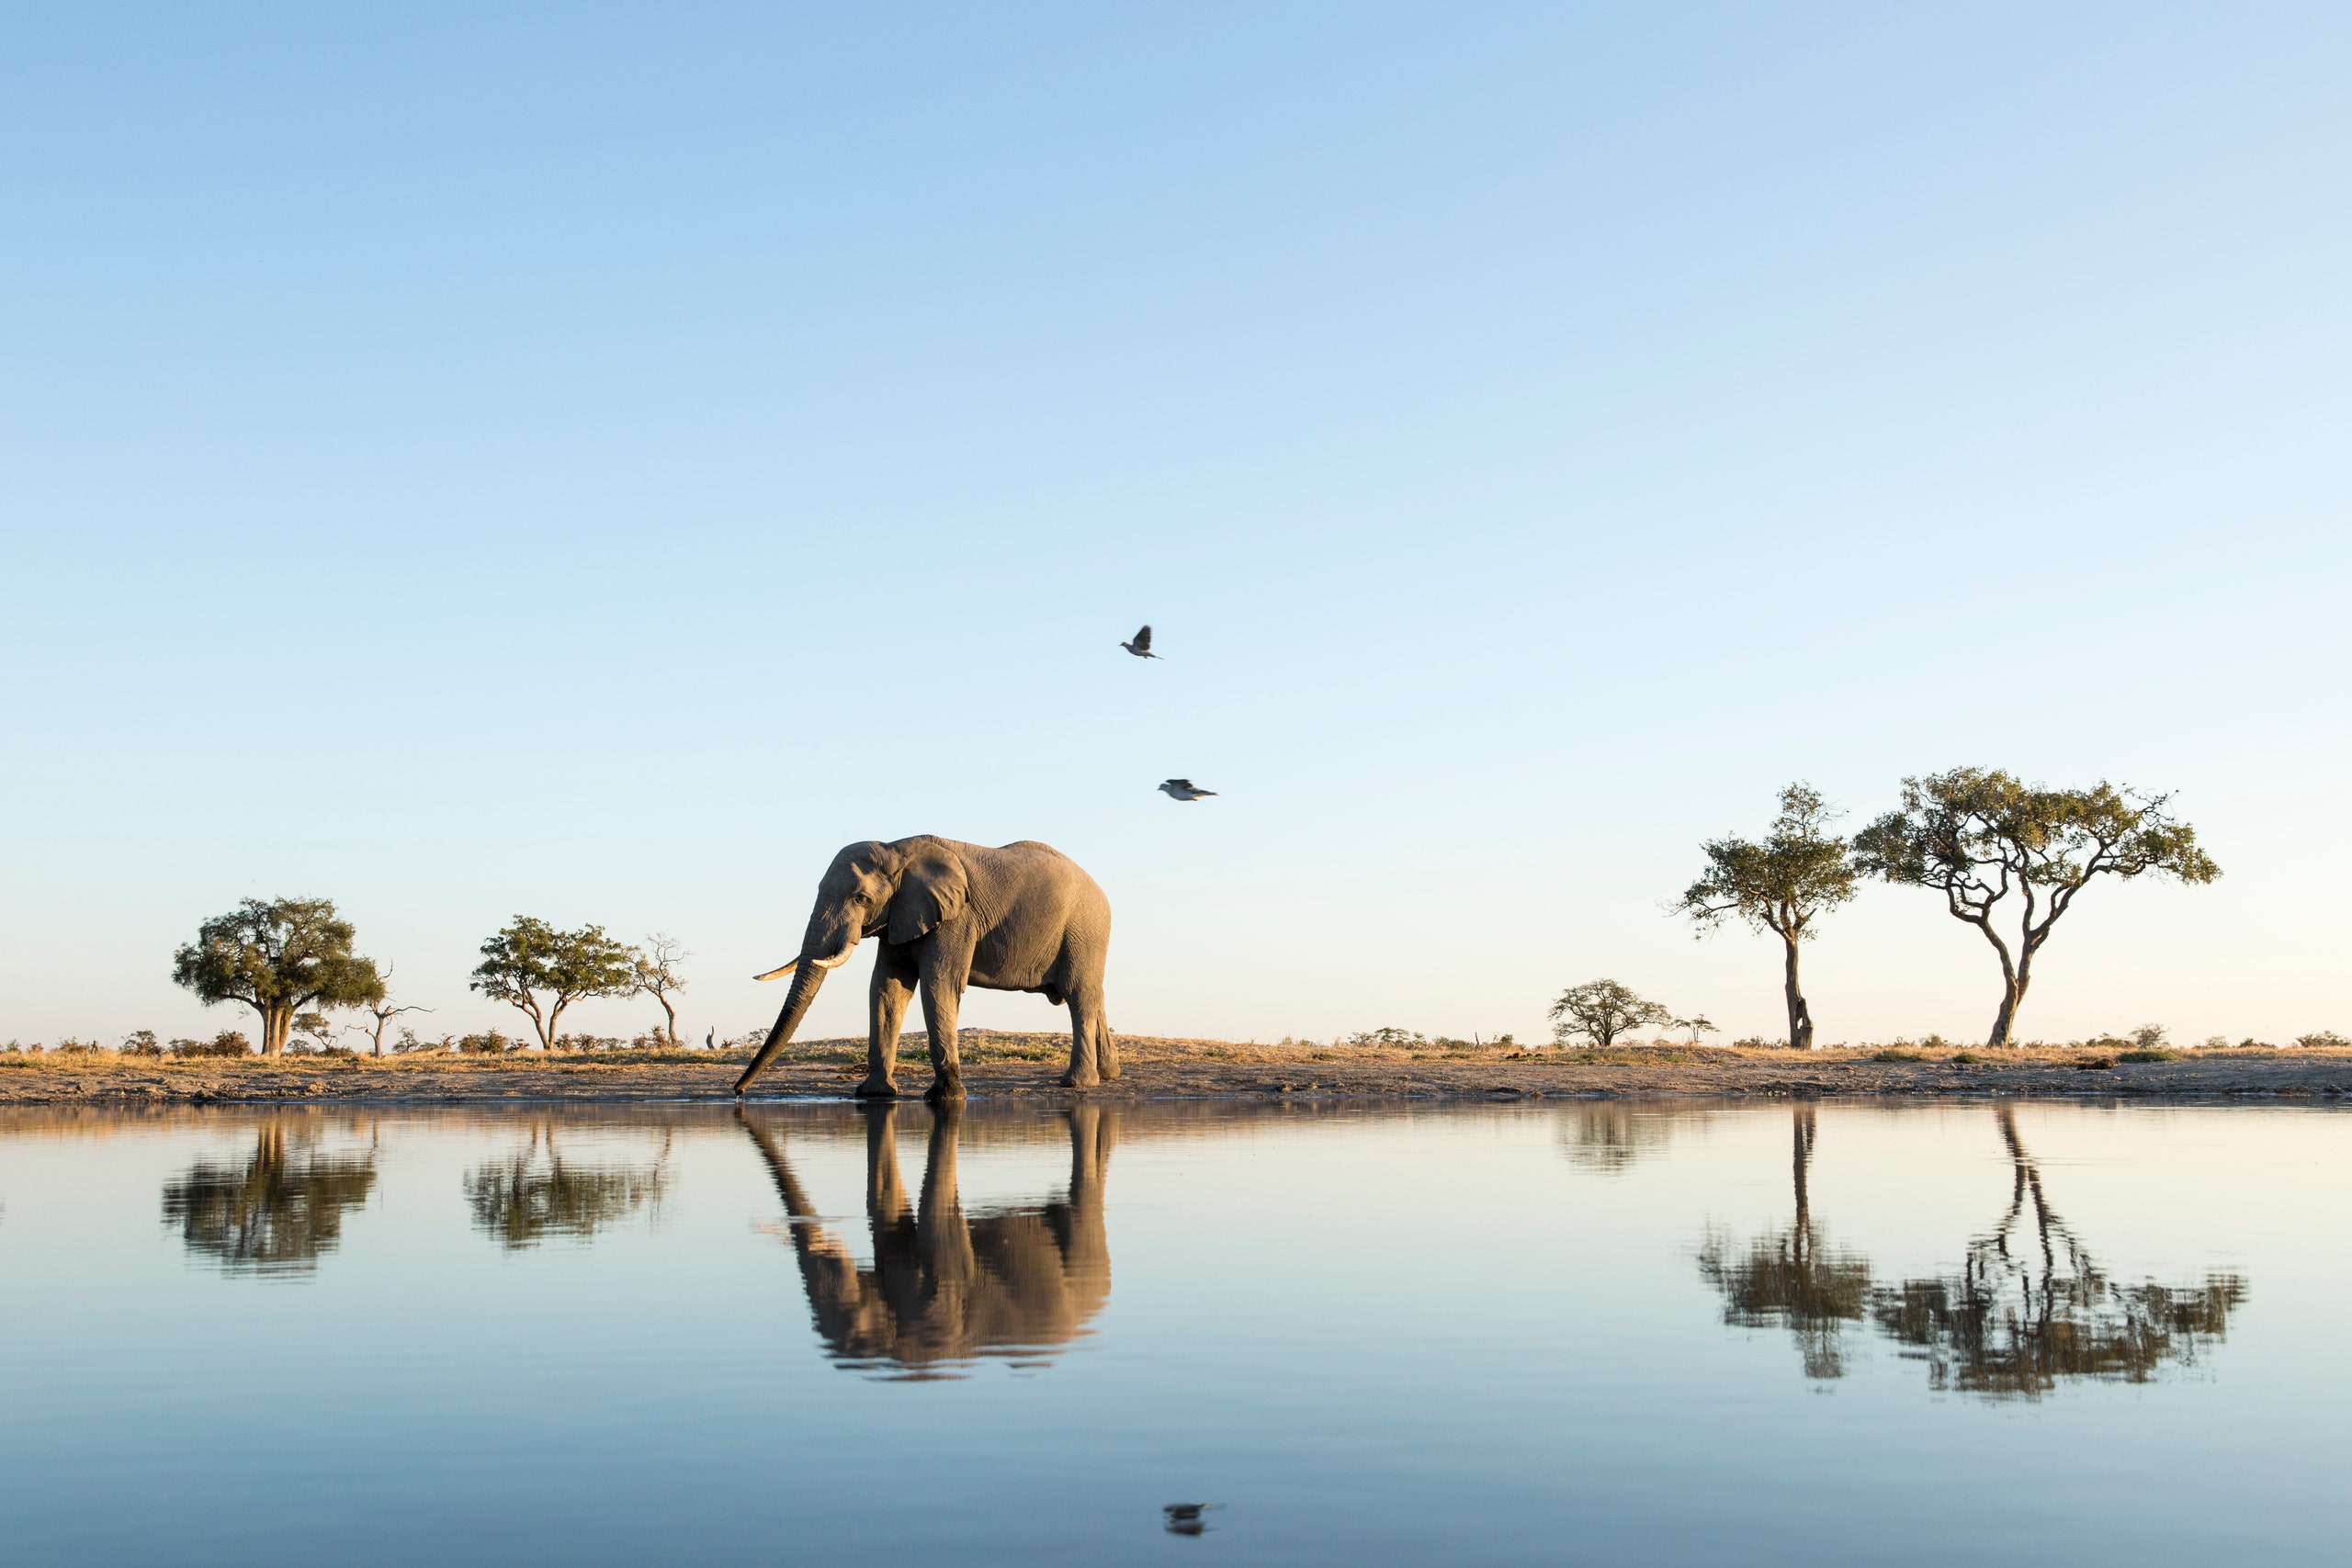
(1024, 1068)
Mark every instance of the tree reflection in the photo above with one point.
(2025, 1311)
(2016, 1319)
(276, 1213)
(944, 1287)
(1791, 1279)
(538, 1193)
(1610, 1135)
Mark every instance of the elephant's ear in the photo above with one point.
(931, 890)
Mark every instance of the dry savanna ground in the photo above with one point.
(1026, 1067)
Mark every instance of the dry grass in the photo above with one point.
(978, 1045)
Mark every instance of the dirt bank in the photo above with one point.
(1025, 1067)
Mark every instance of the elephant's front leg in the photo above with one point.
(894, 984)
(942, 993)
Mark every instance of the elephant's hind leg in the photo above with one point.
(1089, 1034)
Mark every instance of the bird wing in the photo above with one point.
(1143, 640)
(1181, 783)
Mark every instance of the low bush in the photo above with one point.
(2149, 1056)
(228, 1042)
(1892, 1054)
(2323, 1039)
(1965, 1059)
(141, 1043)
(69, 1046)
(2095, 1064)
(490, 1045)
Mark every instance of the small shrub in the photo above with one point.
(2149, 1056)
(490, 1045)
(2325, 1040)
(1389, 1036)
(69, 1047)
(228, 1042)
(2150, 1037)
(2095, 1064)
(141, 1043)
(1754, 1042)
(1965, 1059)
(1934, 1042)
(2251, 1044)
(1891, 1055)
(2215, 1042)
(2108, 1042)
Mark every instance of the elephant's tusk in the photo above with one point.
(836, 961)
(778, 974)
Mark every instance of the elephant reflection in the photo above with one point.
(276, 1213)
(946, 1287)
(2016, 1319)
(538, 1193)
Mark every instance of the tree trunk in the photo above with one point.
(277, 1022)
(2012, 998)
(671, 1014)
(1800, 1015)
(2012, 985)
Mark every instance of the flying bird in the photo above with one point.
(1141, 647)
(1183, 789)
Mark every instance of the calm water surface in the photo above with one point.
(1595, 1333)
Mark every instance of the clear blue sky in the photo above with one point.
(596, 462)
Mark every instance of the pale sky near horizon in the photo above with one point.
(595, 462)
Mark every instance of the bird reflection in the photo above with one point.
(276, 1213)
(538, 1193)
(2023, 1313)
(945, 1287)
(1791, 1278)
(1184, 1518)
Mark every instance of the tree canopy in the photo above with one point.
(1978, 835)
(1600, 1010)
(1780, 886)
(279, 958)
(529, 957)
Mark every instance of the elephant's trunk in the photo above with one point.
(796, 1005)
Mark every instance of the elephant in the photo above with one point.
(1022, 918)
(945, 1288)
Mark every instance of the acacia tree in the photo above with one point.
(530, 956)
(1977, 835)
(382, 1011)
(1798, 872)
(279, 958)
(656, 976)
(1600, 1010)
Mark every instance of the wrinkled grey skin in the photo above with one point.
(1023, 918)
